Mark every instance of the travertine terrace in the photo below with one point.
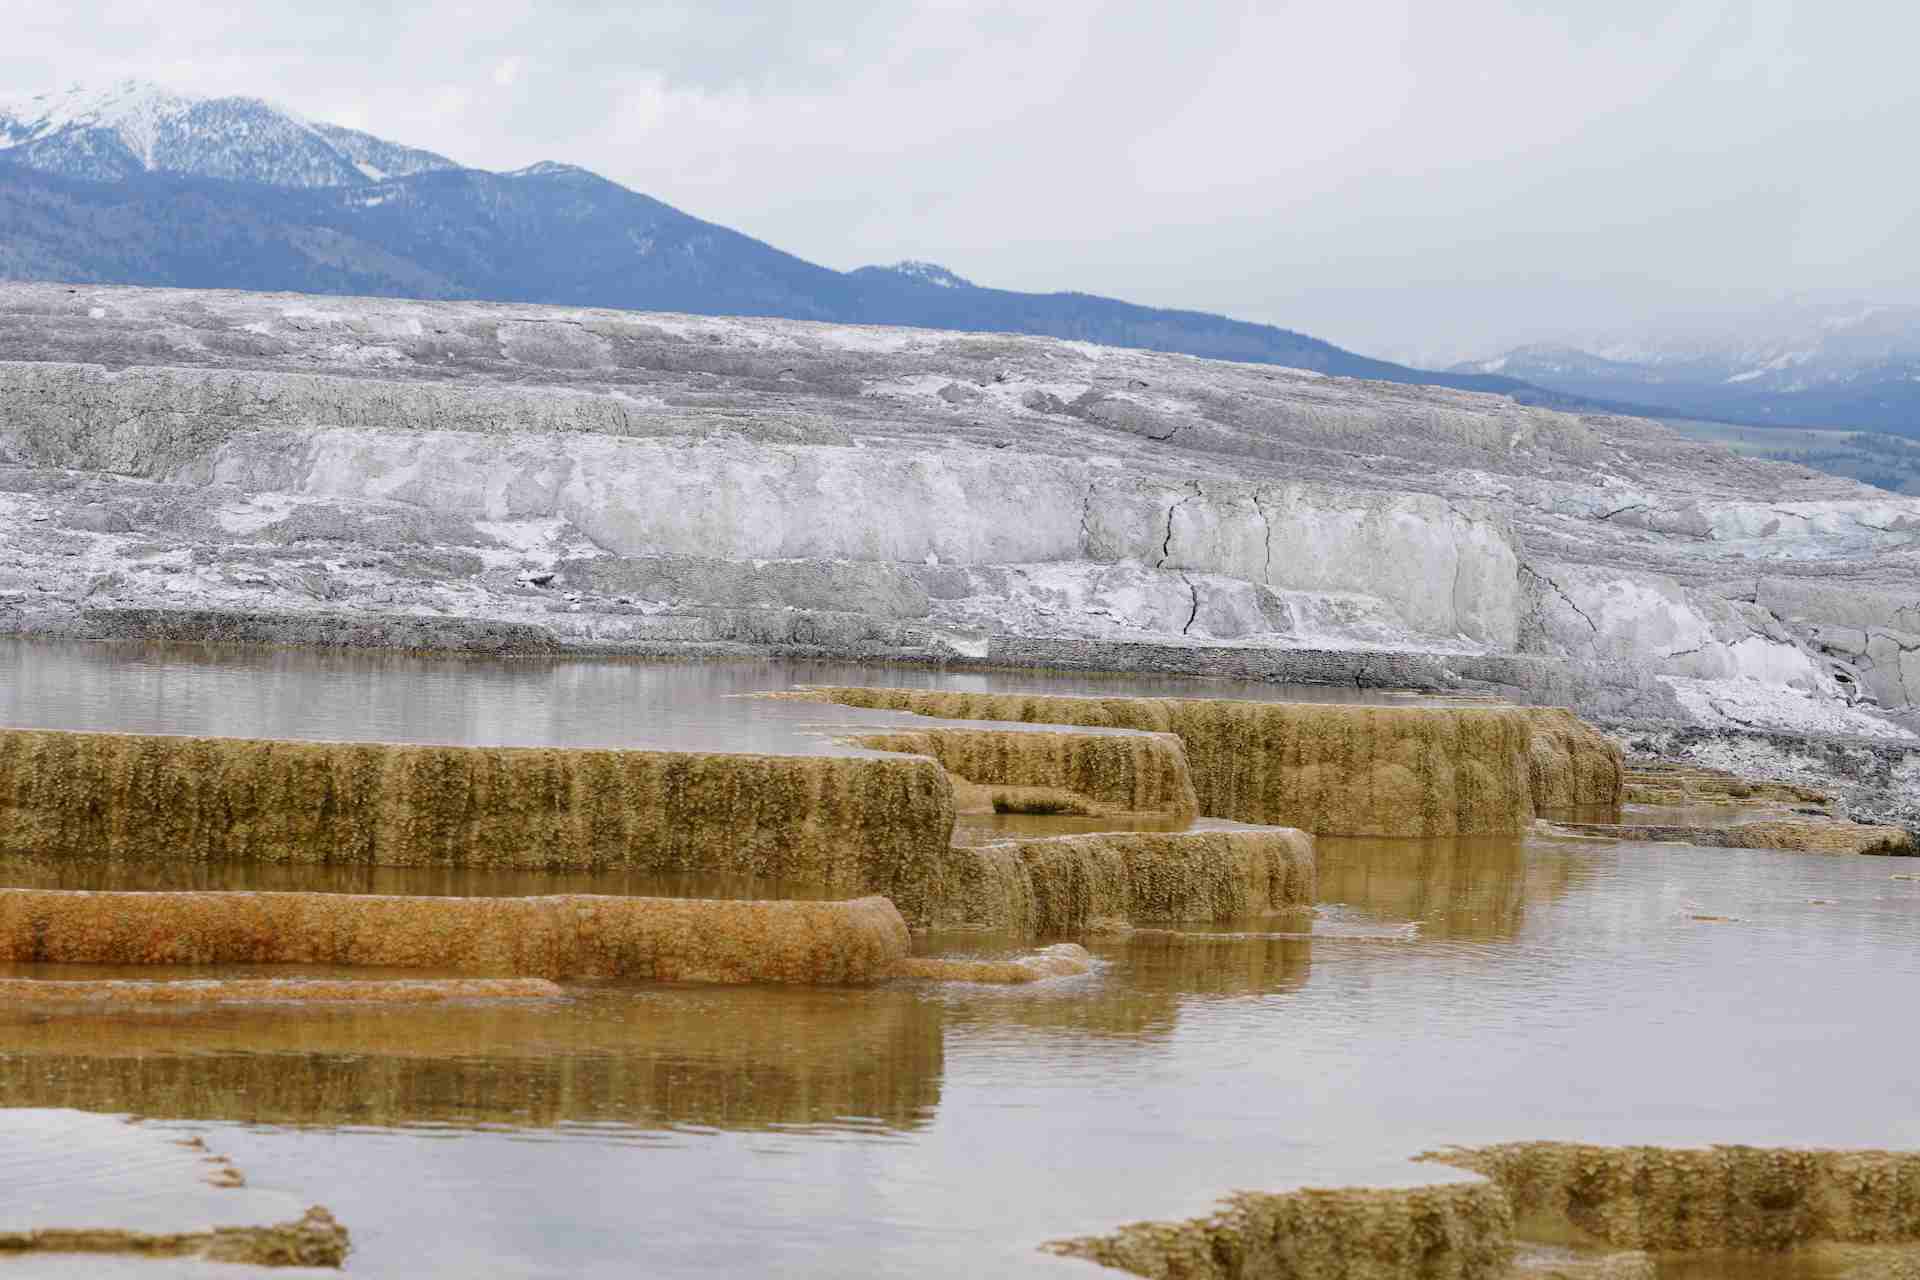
(1855, 1211)
(1093, 772)
(1070, 883)
(1328, 769)
(573, 936)
(833, 823)
(1680, 1200)
(1457, 1232)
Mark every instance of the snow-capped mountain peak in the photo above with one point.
(135, 109)
(108, 133)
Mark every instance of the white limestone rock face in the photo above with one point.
(1437, 571)
(1654, 622)
(615, 476)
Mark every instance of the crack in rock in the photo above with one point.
(1166, 544)
(1266, 572)
(1195, 592)
(1531, 572)
(1620, 511)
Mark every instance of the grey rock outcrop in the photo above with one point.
(659, 483)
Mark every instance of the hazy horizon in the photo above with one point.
(1415, 182)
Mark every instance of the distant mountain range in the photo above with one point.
(133, 184)
(1853, 366)
(136, 185)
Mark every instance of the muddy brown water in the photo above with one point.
(1466, 991)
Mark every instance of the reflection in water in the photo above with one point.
(1462, 888)
(385, 697)
(1555, 989)
(935, 1130)
(1138, 999)
(643, 1059)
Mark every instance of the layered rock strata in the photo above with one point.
(832, 824)
(1068, 884)
(1449, 1232)
(1679, 1200)
(570, 936)
(1326, 768)
(1095, 772)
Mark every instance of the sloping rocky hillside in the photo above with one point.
(510, 476)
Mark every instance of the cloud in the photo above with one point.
(1402, 176)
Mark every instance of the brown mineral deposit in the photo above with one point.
(1573, 764)
(565, 936)
(1326, 768)
(1799, 834)
(1454, 1232)
(1107, 772)
(843, 824)
(1065, 884)
(1677, 1199)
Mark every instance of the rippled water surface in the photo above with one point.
(1446, 992)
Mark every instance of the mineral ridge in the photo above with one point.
(1450, 1232)
(841, 824)
(567, 936)
(1676, 1199)
(1326, 768)
(1104, 772)
(1069, 884)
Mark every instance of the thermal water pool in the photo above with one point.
(1463, 991)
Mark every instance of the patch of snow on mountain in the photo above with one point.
(135, 109)
(98, 133)
(929, 273)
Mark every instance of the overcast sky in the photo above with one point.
(1413, 178)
